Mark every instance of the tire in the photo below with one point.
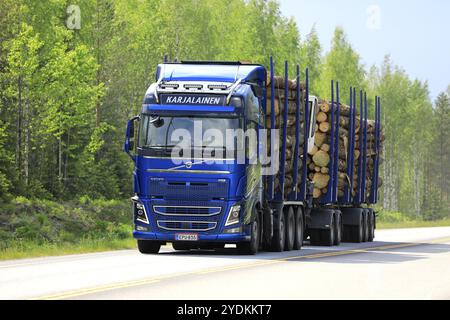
(329, 234)
(251, 247)
(371, 226)
(290, 229)
(299, 230)
(365, 226)
(182, 246)
(337, 229)
(148, 246)
(357, 234)
(278, 235)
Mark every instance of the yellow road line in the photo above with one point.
(82, 292)
(127, 284)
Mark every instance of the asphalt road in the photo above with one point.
(400, 264)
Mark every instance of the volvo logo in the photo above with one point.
(187, 165)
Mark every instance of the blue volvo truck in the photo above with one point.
(204, 196)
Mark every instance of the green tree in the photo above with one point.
(21, 73)
(311, 57)
(441, 148)
(342, 63)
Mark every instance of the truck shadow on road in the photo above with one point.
(375, 252)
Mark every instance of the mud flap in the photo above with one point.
(321, 219)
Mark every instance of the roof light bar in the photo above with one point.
(217, 87)
(193, 86)
(169, 86)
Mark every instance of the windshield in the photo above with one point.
(199, 132)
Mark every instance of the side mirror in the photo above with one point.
(129, 144)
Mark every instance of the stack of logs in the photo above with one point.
(279, 95)
(371, 155)
(319, 157)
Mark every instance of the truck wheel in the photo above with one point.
(371, 220)
(366, 226)
(290, 229)
(181, 246)
(299, 234)
(148, 246)
(329, 235)
(337, 229)
(251, 247)
(278, 235)
(357, 234)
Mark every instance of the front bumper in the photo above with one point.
(170, 237)
(149, 228)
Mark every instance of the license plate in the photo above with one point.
(186, 236)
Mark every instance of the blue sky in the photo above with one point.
(415, 33)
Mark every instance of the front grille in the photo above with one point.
(198, 216)
(187, 210)
(186, 225)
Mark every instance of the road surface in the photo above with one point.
(400, 264)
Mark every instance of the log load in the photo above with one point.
(318, 169)
(279, 101)
(318, 160)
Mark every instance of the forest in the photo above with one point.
(71, 76)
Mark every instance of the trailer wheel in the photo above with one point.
(251, 247)
(357, 232)
(366, 226)
(329, 235)
(278, 234)
(299, 231)
(148, 246)
(371, 220)
(290, 229)
(338, 229)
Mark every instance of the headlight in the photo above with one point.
(140, 213)
(233, 215)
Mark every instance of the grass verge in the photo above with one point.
(413, 224)
(29, 249)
